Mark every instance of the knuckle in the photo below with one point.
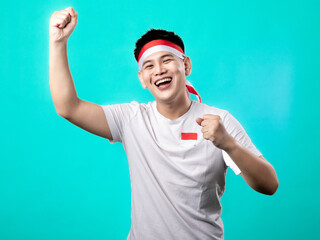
(63, 16)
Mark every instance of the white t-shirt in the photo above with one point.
(176, 184)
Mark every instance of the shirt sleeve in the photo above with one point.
(118, 115)
(235, 129)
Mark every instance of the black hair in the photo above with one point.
(154, 34)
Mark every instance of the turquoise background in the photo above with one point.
(257, 59)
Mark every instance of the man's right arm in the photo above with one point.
(86, 115)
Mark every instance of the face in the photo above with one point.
(164, 74)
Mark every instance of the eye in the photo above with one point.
(167, 60)
(148, 66)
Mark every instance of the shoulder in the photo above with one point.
(125, 111)
(133, 105)
(143, 107)
(135, 108)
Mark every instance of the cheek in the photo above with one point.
(146, 77)
(180, 69)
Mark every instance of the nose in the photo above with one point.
(159, 69)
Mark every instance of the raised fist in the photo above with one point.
(62, 24)
(214, 131)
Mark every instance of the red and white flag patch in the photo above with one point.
(189, 136)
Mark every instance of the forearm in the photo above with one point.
(61, 84)
(256, 171)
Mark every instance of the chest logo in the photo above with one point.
(189, 136)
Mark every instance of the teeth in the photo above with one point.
(163, 80)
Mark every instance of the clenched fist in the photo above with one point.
(214, 130)
(62, 24)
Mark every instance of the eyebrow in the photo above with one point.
(163, 56)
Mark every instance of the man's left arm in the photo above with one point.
(255, 170)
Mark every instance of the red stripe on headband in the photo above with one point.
(158, 42)
(193, 91)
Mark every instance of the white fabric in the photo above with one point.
(227, 159)
(176, 185)
(158, 48)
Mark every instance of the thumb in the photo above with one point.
(199, 121)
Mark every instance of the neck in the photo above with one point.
(175, 109)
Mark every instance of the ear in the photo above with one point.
(141, 79)
(187, 65)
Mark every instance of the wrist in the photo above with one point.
(231, 145)
(57, 44)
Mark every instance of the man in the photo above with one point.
(178, 149)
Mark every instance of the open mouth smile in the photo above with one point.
(163, 83)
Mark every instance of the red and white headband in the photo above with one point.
(163, 45)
